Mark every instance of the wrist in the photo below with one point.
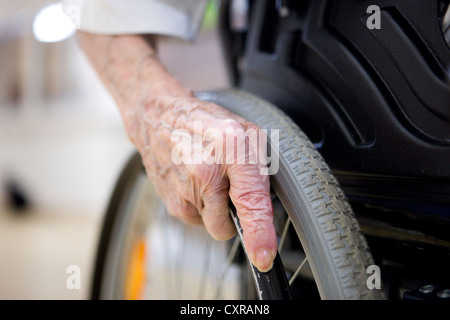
(138, 75)
(129, 68)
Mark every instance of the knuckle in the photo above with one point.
(232, 124)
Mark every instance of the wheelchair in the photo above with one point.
(363, 186)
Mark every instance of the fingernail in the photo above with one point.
(264, 260)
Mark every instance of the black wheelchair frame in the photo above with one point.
(376, 103)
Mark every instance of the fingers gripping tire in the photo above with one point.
(324, 221)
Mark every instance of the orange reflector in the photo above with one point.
(135, 276)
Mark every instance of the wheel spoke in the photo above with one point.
(205, 267)
(180, 262)
(169, 273)
(291, 280)
(230, 258)
(284, 233)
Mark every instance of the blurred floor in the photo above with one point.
(67, 156)
(36, 251)
(67, 170)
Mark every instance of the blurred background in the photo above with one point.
(62, 144)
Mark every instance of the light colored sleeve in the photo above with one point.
(178, 18)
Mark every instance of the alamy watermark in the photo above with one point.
(374, 280)
(374, 20)
(73, 281)
(74, 13)
(229, 146)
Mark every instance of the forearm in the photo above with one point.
(127, 64)
(132, 73)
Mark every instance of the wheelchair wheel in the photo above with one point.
(145, 253)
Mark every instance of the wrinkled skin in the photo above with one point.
(154, 107)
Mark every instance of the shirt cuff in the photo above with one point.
(178, 18)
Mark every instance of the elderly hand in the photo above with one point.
(186, 149)
(164, 121)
